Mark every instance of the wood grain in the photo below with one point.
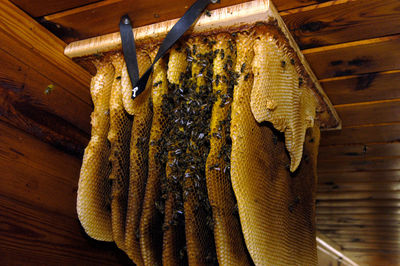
(358, 219)
(360, 195)
(27, 103)
(373, 257)
(363, 88)
(360, 186)
(350, 152)
(359, 210)
(358, 203)
(103, 17)
(369, 113)
(360, 57)
(370, 164)
(342, 21)
(41, 91)
(24, 38)
(362, 135)
(365, 176)
(40, 8)
(37, 202)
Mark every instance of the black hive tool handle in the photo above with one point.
(173, 35)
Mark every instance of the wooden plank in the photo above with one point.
(389, 239)
(363, 88)
(343, 21)
(323, 241)
(358, 151)
(31, 236)
(37, 173)
(103, 17)
(351, 220)
(32, 59)
(365, 177)
(370, 164)
(357, 210)
(40, 8)
(357, 203)
(368, 231)
(358, 186)
(362, 135)
(23, 37)
(369, 113)
(360, 195)
(282, 5)
(374, 257)
(360, 57)
(37, 202)
(48, 115)
(394, 247)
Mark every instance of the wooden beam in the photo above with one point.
(41, 91)
(359, 57)
(23, 37)
(37, 204)
(363, 87)
(101, 18)
(341, 21)
(40, 8)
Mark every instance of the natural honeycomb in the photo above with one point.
(93, 201)
(214, 163)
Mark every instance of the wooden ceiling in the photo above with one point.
(353, 47)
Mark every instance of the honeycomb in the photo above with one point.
(94, 188)
(214, 163)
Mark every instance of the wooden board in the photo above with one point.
(37, 202)
(371, 164)
(40, 8)
(343, 21)
(361, 186)
(366, 56)
(358, 203)
(369, 113)
(42, 91)
(364, 176)
(359, 210)
(362, 135)
(26, 102)
(103, 17)
(360, 195)
(363, 87)
(24, 38)
(350, 152)
(358, 219)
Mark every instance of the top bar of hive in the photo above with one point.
(229, 19)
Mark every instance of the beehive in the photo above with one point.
(223, 146)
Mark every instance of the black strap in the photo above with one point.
(129, 48)
(173, 35)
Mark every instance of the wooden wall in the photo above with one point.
(45, 111)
